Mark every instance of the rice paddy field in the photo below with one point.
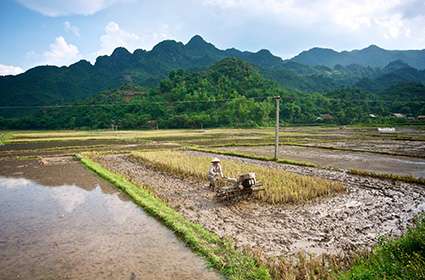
(339, 203)
(280, 186)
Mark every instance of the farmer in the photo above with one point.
(215, 172)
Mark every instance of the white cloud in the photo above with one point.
(115, 37)
(381, 21)
(10, 70)
(14, 183)
(61, 53)
(69, 197)
(71, 28)
(162, 32)
(54, 8)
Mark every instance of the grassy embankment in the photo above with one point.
(402, 258)
(388, 176)
(280, 186)
(5, 137)
(220, 253)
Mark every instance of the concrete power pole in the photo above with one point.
(276, 143)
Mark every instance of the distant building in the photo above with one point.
(399, 115)
(386, 129)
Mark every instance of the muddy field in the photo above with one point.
(400, 165)
(69, 148)
(397, 147)
(355, 220)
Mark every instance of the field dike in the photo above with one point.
(219, 252)
(388, 176)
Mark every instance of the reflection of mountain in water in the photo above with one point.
(70, 173)
(53, 230)
(68, 197)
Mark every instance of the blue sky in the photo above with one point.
(40, 32)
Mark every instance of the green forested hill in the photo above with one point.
(54, 85)
(47, 85)
(372, 56)
(232, 93)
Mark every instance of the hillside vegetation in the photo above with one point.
(230, 93)
(373, 56)
(317, 70)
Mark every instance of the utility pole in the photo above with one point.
(276, 143)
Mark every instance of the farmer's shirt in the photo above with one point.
(215, 170)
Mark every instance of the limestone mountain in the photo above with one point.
(372, 56)
(46, 85)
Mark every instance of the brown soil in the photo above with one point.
(351, 221)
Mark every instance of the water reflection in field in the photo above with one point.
(64, 231)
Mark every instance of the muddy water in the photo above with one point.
(58, 221)
(346, 160)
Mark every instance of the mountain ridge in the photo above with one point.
(372, 55)
(43, 85)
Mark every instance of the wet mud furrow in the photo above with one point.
(350, 221)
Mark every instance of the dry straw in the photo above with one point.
(280, 186)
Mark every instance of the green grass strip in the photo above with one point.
(402, 258)
(388, 176)
(251, 156)
(5, 137)
(220, 253)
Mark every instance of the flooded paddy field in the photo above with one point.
(35, 149)
(413, 148)
(59, 221)
(400, 165)
(408, 141)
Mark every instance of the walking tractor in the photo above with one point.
(237, 189)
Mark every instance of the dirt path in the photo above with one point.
(353, 220)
